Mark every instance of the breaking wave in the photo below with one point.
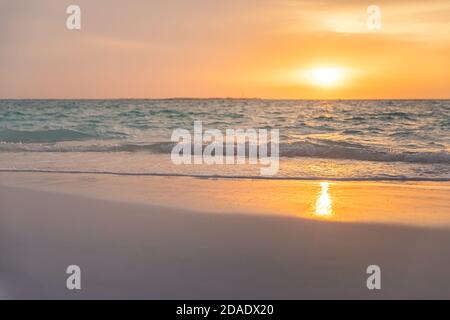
(307, 149)
(38, 136)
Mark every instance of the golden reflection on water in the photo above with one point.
(324, 205)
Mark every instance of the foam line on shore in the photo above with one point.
(200, 176)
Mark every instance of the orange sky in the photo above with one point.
(234, 48)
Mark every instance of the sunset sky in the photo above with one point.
(312, 49)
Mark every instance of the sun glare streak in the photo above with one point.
(324, 204)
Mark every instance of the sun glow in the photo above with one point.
(325, 76)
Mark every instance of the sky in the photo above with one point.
(276, 49)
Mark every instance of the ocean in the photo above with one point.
(337, 140)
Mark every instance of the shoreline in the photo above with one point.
(231, 177)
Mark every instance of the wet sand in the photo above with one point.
(269, 243)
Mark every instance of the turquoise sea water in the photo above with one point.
(376, 139)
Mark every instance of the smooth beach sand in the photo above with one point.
(185, 238)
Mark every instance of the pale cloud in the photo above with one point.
(427, 20)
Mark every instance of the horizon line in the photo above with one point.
(236, 98)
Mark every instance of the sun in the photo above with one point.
(325, 76)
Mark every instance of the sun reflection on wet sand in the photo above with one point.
(324, 207)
